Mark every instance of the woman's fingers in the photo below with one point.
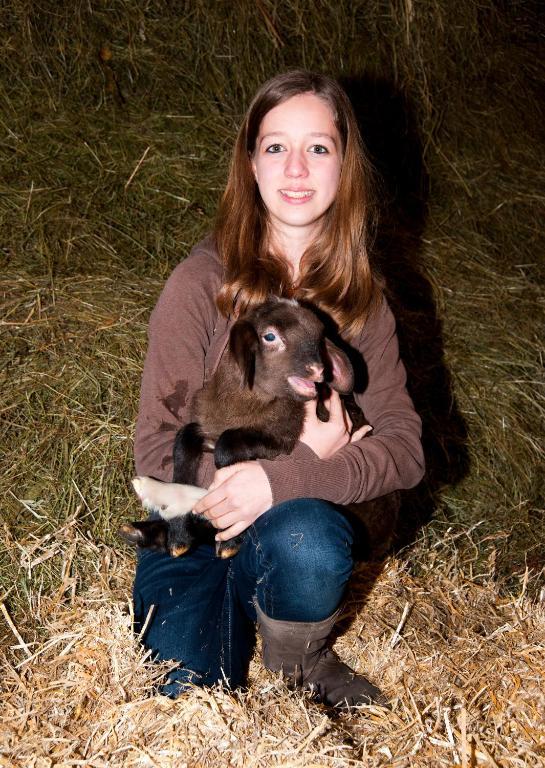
(334, 405)
(239, 494)
(216, 491)
(211, 500)
(233, 530)
(310, 411)
(361, 432)
(338, 412)
(222, 517)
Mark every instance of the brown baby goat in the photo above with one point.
(253, 407)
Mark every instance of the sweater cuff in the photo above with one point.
(300, 474)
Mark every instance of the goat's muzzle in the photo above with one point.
(316, 371)
(305, 388)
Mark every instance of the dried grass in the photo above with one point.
(462, 663)
(116, 123)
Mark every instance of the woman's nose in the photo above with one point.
(295, 165)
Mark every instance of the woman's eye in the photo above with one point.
(274, 148)
(319, 149)
(269, 337)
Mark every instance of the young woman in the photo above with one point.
(293, 221)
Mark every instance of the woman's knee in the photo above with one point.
(302, 555)
(311, 534)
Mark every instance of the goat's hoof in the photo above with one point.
(179, 550)
(131, 534)
(226, 552)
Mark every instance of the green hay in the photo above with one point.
(117, 126)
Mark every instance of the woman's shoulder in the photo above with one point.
(192, 286)
(379, 324)
(380, 314)
(202, 266)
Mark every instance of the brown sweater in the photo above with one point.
(187, 336)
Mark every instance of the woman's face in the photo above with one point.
(297, 164)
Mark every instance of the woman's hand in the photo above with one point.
(326, 437)
(239, 494)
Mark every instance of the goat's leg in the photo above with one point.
(350, 405)
(170, 536)
(179, 535)
(357, 417)
(187, 453)
(243, 444)
(174, 535)
(148, 534)
(324, 393)
(235, 445)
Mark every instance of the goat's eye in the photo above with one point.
(269, 336)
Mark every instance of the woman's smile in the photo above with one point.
(297, 195)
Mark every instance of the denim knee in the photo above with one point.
(190, 616)
(305, 552)
(309, 533)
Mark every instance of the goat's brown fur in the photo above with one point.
(250, 387)
(253, 406)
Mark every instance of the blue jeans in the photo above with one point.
(296, 559)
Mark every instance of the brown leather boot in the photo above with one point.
(298, 649)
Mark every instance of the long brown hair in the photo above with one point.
(335, 273)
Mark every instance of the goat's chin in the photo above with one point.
(304, 388)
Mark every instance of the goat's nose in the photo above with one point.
(316, 371)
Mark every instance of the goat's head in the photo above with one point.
(281, 350)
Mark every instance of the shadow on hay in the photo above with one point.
(388, 125)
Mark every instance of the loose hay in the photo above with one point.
(116, 123)
(464, 672)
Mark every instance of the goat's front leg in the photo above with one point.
(187, 453)
(173, 536)
(350, 405)
(244, 444)
(235, 445)
(177, 529)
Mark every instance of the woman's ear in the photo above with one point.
(243, 345)
(341, 371)
(253, 165)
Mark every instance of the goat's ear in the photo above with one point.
(342, 372)
(243, 345)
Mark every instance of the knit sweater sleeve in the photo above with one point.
(180, 334)
(389, 459)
